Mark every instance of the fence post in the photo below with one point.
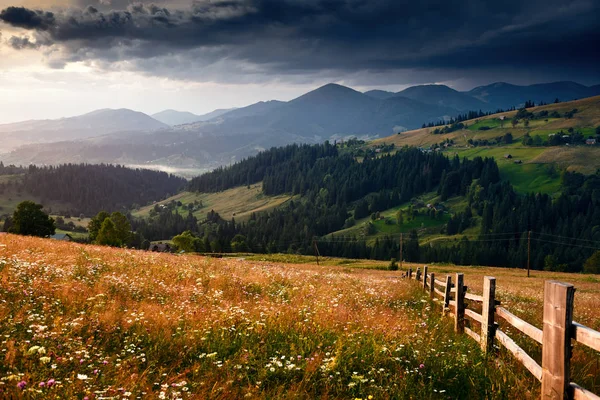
(425, 277)
(447, 293)
(410, 273)
(556, 342)
(459, 298)
(418, 274)
(488, 309)
(432, 285)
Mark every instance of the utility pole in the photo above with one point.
(401, 251)
(528, 251)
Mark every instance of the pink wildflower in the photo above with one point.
(21, 385)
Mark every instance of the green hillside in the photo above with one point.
(238, 203)
(539, 167)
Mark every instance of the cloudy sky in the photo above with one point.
(66, 57)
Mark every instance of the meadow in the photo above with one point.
(535, 173)
(81, 321)
(238, 203)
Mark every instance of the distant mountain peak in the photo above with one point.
(330, 91)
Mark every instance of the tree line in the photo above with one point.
(88, 189)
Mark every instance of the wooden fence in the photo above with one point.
(555, 337)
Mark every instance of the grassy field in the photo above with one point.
(424, 224)
(87, 321)
(532, 174)
(238, 203)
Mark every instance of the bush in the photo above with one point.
(393, 265)
(592, 264)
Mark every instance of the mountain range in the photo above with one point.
(95, 123)
(180, 139)
(174, 117)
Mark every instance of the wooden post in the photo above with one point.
(401, 252)
(488, 309)
(316, 251)
(425, 277)
(447, 293)
(418, 274)
(556, 342)
(410, 273)
(432, 285)
(459, 316)
(528, 251)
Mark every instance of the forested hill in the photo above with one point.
(88, 189)
(337, 189)
(254, 169)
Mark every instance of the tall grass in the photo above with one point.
(93, 322)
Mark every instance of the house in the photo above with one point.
(502, 118)
(160, 248)
(590, 141)
(65, 237)
(507, 156)
(518, 162)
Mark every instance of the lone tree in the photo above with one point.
(110, 229)
(29, 219)
(108, 235)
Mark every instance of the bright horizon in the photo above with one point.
(61, 58)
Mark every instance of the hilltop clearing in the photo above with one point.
(238, 203)
(532, 167)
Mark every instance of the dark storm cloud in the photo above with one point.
(22, 17)
(299, 37)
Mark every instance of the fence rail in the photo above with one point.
(559, 329)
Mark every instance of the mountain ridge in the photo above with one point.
(329, 112)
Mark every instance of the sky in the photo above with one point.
(62, 58)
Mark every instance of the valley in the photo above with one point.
(439, 189)
(299, 200)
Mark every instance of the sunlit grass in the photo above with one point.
(86, 321)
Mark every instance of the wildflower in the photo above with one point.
(82, 377)
(50, 382)
(44, 360)
(422, 366)
(21, 385)
(42, 384)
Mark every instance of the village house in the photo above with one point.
(590, 141)
(65, 237)
(160, 248)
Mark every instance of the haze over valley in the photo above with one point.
(186, 143)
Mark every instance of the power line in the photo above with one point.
(566, 244)
(570, 238)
